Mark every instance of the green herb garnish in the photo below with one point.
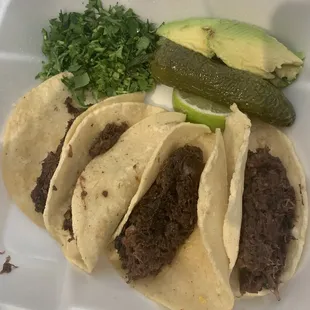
(107, 50)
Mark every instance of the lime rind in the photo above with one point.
(197, 114)
(201, 104)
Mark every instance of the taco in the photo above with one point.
(266, 222)
(133, 97)
(40, 124)
(33, 138)
(159, 246)
(94, 135)
(99, 171)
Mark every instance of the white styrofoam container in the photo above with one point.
(45, 281)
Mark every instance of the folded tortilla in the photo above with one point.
(191, 281)
(261, 136)
(41, 122)
(76, 155)
(133, 97)
(99, 193)
(34, 128)
(236, 139)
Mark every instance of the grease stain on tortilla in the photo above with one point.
(202, 300)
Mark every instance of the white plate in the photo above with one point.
(45, 280)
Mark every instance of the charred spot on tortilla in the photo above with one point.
(107, 138)
(7, 266)
(301, 195)
(83, 194)
(55, 188)
(71, 109)
(105, 193)
(269, 203)
(49, 165)
(67, 224)
(70, 152)
(164, 218)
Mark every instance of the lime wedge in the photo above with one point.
(200, 110)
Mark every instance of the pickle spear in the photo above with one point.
(186, 70)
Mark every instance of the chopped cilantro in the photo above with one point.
(107, 50)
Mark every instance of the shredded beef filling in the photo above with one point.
(164, 218)
(107, 138)
(67, 224)
(50, 163)
(71, 109)
(268, 218)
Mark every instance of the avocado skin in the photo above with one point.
(179, 67)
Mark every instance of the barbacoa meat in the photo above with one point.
(67, 224)
(269, 203)
(49, 166)
(164, 218)
(107, 138)
(71, 109)
(50, 163)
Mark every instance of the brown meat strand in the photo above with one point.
(67, 224)
(7, 266)
(49, 165)
(164, 218)
(269, 203)
(71, 109)
(107, 138)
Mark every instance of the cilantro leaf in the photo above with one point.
(107, 50)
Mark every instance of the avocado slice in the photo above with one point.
(189, 71)
(239, 45)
